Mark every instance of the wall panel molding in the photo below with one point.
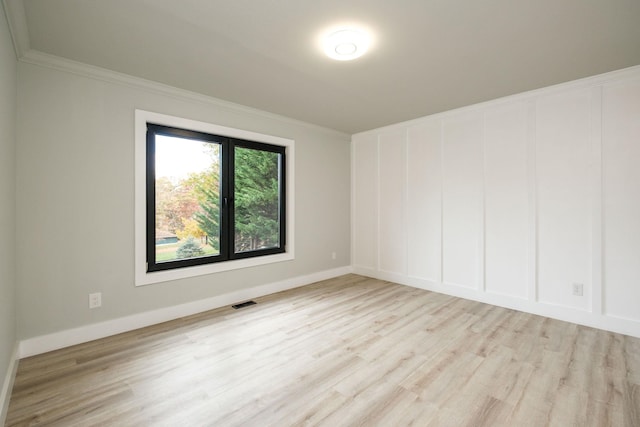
(597, 206)
(462, 199)
(392, 231)
(532, 282)
(621, 199)
(364, 195)
(564, 193)
(538, 192)
(424, 201)
(506, 200)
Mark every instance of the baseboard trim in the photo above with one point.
(82, 334)
(568, 314)
(7, 385)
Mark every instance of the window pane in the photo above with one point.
(187, 188)
(257, 199)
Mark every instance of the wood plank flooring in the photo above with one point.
(344, 352)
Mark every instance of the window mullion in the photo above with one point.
(226, 227)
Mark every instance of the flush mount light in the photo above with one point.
(346, 44)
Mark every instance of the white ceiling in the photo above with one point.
(429, 55)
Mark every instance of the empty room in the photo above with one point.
(330, 213)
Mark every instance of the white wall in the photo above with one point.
(7, 210)
(511, 202)
(75, 196)
(621, 199)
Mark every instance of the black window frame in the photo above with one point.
(227, 190)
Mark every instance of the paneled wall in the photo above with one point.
(524, 202)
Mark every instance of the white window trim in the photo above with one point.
(142, 277)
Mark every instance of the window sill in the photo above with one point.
(144, 278)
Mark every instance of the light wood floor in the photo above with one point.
(343, 352)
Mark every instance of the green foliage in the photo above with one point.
(256, 199)
(206, 186)
(208, 218)
(189, 249)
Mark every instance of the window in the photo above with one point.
(215, 198)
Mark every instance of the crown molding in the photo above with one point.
(46, 60)
(17, 21)
(632, 72)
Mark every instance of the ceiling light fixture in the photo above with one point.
(346, 44)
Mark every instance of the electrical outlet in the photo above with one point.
(95, 300)
(333, 255)
(578, 289)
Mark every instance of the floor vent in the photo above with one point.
(244, 304)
